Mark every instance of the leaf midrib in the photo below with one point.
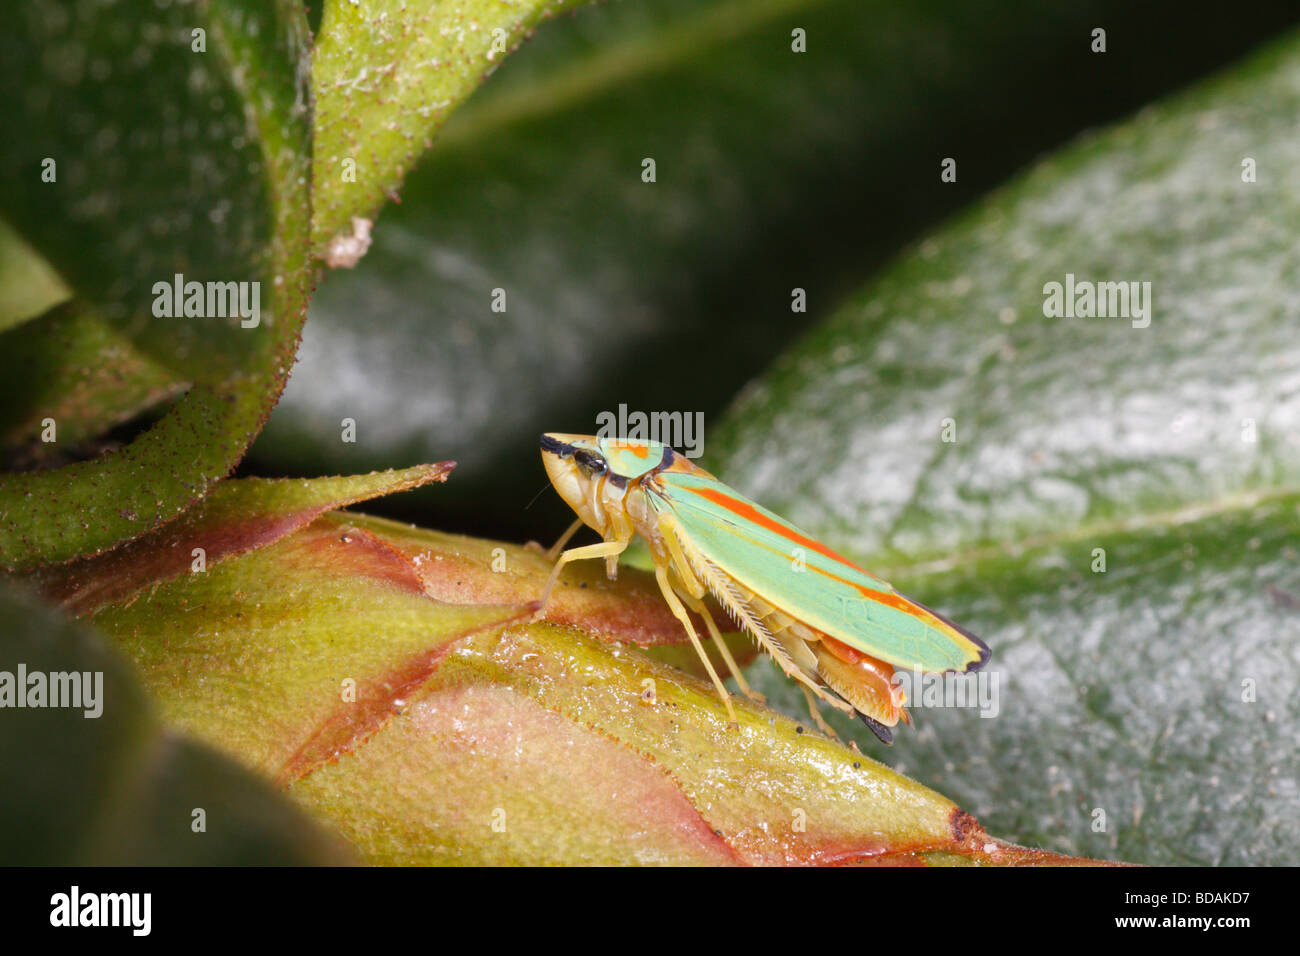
(1185, 514)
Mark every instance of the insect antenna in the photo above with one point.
(532, 501)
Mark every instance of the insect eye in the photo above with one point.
(591, 463)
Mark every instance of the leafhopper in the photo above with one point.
(833, 627)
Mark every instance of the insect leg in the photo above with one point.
(825, 728)
(602, 550)
(556, 548)
(692, 591)
(742, 613)
(675, 605)
(700, 608)
(668, 532)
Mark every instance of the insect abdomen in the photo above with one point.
(862, 680)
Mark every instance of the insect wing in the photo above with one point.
(809, 581)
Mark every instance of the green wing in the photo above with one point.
(809, 581)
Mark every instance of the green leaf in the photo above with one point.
(28, 285)
(163, 158)
(72, 370)
(1164, 691)
(207, 175)
(1161, 690)
(104, 783)
(387, 74)
(391, 680)
(775, 170)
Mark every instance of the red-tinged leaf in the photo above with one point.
(463, 570)
(393, 681)
(237, 517)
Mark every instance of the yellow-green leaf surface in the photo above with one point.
(387, 75)
(393, 681)
(28, 284)
(71, 370)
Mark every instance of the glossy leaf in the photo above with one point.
(1163, 692)
(1110, 504)
(135, 159)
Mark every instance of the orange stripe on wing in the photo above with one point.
(889, 598)
(641, 451)
(747, 511)
(922, 613)
(898, 602)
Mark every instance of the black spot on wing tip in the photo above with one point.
(985, 653)
(883, 733)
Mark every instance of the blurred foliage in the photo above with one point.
(774, 170)
(117, 788)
